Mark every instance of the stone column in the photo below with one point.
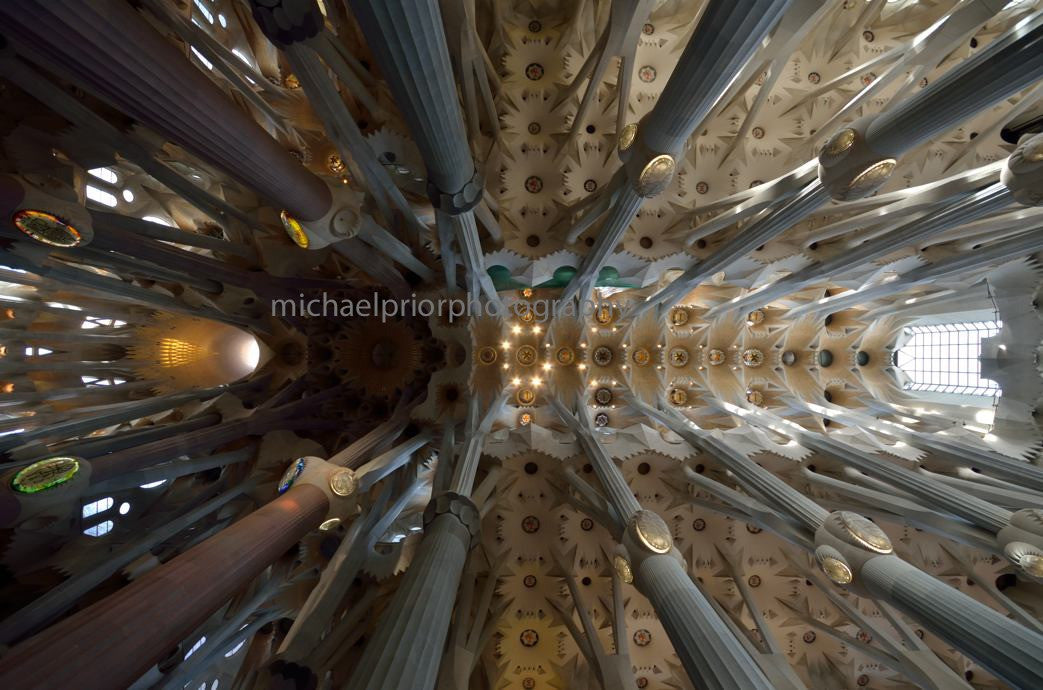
(112, 642)
(854, 552)
(89, 42)
(727, 35)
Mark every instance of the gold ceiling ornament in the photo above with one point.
(526, 355)
(836, 570)
(652, 532)
(755, 317)
(487, 355)
(865, 532)
(565, 356)
(641, 357)
(716, 357)
(291, 81)
(678, 396)
(656, 175)
(525, 419)
(294, 229)
(837, 146)
(525, 396)
(46, 228)
(623, 569)
(526, 292)
(752, 357)
(327, 525)
(526, 314)
(678, 356)
(604, 314)
(602, 355)
(755, 397)
(603, 396)
(343, 482)
(334, 164)
(678, 316)
(627, 136)
(870, 178)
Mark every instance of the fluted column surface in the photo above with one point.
(727, 35)
(406, 649)
(408, 42)
(1007, 649)
(712, 656)
(1002, 69)
(111, 643)
(113, 51)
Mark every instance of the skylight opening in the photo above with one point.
(945, 358)
(95, 507)
(104, 174)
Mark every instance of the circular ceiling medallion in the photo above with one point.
(343, 482)
(602, 355)
(652, 532)
(603, 396)
(534, 71)
(837, 146)
(291, 474)
(530, 524)
(678, 316)
(46, 228)
(716, 357)
(678, 357)
(836, 570)
(755, 397)
(756, 317)
(45, 474)
(865, 532)
(565, 355)
(294, 229)
(487, 355)
(870, 178)
(752, 357)
(533, 184)
(525, 396)
(601, 420)
(789, 358)
(627, 136)
(678, 396)
(529, 637)
(641, 357)
(526, 355)
(622, 566)
(656, 175)
(647, 74)
(642, 638)
(525, 419)
(604, 314)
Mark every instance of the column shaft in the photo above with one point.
(114, 641)
(111, 50)
(1008, 650)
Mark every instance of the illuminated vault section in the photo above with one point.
(945, 358)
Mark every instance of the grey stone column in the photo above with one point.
(406, 649)
(727, 35)
(964, 210)
(1009, 651)
(89, 42)
(713, 657)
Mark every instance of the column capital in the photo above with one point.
(288, 21)
(1023, 173)
(459, 506)
(849, 168)
(338, 484)
(460, 201)
(648, 170)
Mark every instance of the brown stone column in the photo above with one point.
(111, 643)
(109, 49)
